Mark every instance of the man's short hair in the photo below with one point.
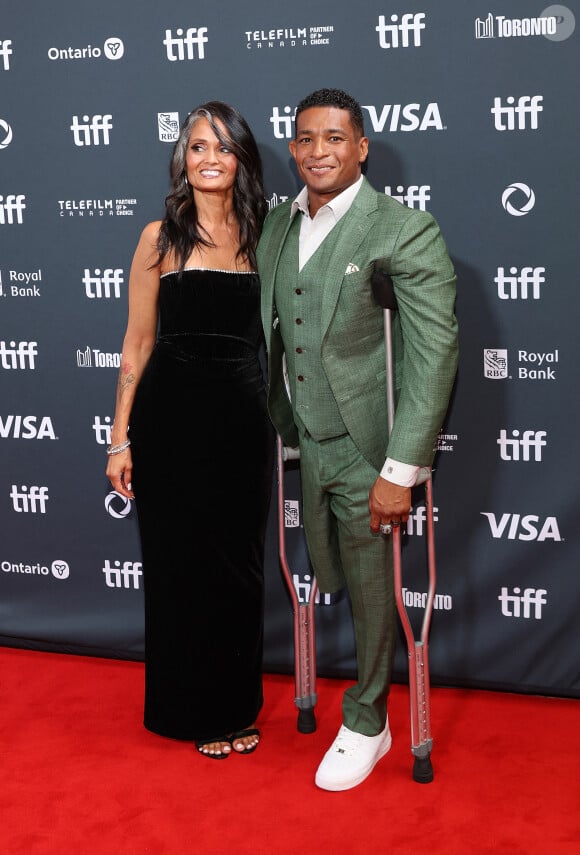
(334, 98)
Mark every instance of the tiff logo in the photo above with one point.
(18, 356)
(92, 130)
(520, 286)
(180, 47)
(29, 500)
(520, 605)
(416, 521)
(409, 23)
(303, 590)
(5, 52)
(282, 124)
(505, 116)
(413, 194)
(509, 449)
(102, 431)
(123, 576)
(106, 284)
(9, 206)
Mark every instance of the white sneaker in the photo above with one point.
(351, 758)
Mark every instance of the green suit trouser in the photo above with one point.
(336, 481)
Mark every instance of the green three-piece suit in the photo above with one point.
(329, 397)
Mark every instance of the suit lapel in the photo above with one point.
(344, 242)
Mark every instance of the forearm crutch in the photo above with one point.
(304, 621)
(418, 649)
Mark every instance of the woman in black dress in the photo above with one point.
(192, 442)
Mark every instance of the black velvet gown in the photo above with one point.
(203, 452)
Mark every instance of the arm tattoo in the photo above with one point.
(126, 378)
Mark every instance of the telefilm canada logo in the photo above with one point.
(555, 23)
(93, 209)
(112, 49)
(446, 441)
(289, 37)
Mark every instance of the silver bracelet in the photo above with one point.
(117, 449)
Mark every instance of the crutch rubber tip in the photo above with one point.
(306, 721)
(422, 770)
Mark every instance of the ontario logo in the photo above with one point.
(113, 49)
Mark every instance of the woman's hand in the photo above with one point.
(119, 472)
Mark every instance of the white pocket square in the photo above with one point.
(350, 268)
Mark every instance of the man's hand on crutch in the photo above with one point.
(389, 504)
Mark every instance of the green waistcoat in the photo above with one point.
(298, 298)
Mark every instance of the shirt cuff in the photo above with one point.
(403, 474)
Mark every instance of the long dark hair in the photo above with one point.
(180, 230)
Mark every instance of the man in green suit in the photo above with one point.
(326, 355)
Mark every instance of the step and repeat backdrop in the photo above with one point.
(471, 113)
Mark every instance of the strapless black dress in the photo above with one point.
(203, 452)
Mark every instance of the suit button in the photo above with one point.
(298, 320)
(300, 377)
(299, 290)
(298, 350)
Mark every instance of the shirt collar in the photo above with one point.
(339, 205)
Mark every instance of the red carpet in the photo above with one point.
(80, 774)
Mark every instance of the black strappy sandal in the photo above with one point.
(218, 755)
(241, 734)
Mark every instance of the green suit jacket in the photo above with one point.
(378, 233)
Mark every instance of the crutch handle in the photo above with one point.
(383, 290)
(289, 453)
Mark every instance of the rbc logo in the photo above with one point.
(495, 364)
